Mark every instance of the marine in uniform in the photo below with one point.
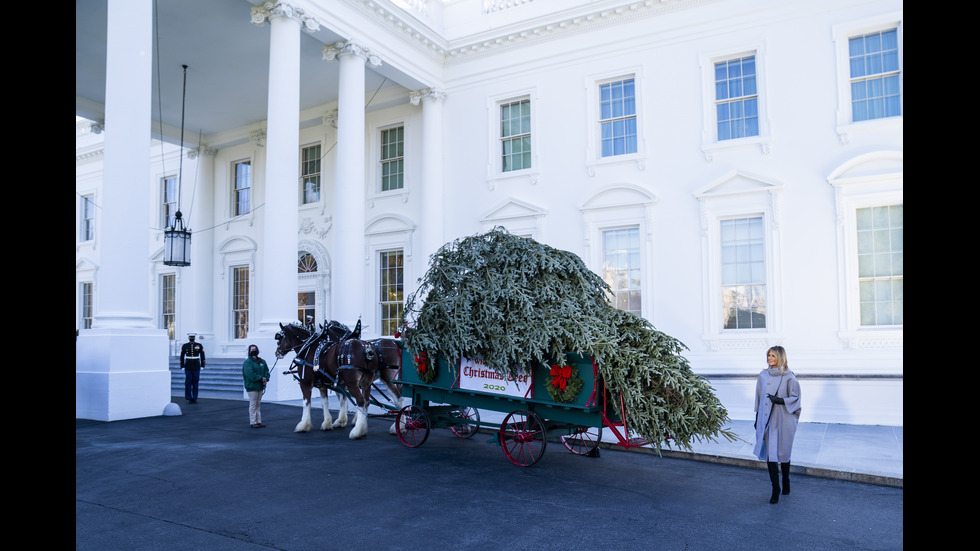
(192, 362)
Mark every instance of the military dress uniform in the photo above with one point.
(192, 362)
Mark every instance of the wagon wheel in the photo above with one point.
(583, 441)
(412, 426)
(466, 430)
(523, 438)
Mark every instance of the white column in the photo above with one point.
(433, 226)
(276, 269)
(197, 280)
(121, 364)
(276, 273)
(349, 291)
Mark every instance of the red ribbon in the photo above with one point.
(421, 363)
(561, 376)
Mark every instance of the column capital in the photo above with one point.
(274, 9)
(426, 94)
(201, 151)
(341, 48)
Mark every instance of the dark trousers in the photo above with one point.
(191, 378)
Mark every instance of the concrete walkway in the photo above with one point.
(861, 453)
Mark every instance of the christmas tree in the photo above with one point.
(513, 302)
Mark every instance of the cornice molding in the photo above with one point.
(520, 33)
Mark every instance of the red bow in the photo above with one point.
(421, 362)
(561, 375)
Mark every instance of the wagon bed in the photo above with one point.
(453, 398)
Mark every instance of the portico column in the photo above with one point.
(121, 363)
(197, 284)
(432, 226)
(275, 271)
(349, 299)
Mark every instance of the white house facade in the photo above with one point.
(732, 168)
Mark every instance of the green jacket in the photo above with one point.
(253, 370)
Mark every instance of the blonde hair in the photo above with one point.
(781, 362)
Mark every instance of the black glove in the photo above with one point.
(776, 399)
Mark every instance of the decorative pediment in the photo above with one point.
(511, 209)
(389, 224)
(870, 167)
(737, 183)
(237, 244)
(618, 196)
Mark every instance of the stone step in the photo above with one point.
(221, 378)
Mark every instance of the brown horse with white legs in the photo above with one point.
(349, 366)
(296, 338)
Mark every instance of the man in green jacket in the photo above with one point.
(255, 372)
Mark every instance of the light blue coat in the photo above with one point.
(775, 424)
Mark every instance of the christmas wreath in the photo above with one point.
(564, 383)
(427, 373)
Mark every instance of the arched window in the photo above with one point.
(307, 263)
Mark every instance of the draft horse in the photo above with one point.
(331, 359)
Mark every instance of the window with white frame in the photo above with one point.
(393, 158)
(391, 290)
(310, 174)
(621, 267)
(243, 187)
(617, 118)
(169, 200)
(515, 135)
(87, 230)
(239, 302)
(880, 256)
(874, 75)
(86, 304)
(736, 98)
(168, 304)
(743, 273)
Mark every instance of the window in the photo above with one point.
(169, 200)
(391, 291)
(880, 238)
(306, 305)
(743, 273)
(310, 174)
(617, 117)
(393, 158)
(87, 229)
(736, 99)
(874, 71)
(621, 267)
(515, 135)
(243, 187)
(168, 303)
(306, 263)
(239, 302)
(86, 297)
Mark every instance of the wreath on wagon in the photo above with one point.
(515, 302)
(564, 383)
(425, 369)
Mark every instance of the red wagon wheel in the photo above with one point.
(466, 430)
(412, 426)
(523, 438)
(583, 441)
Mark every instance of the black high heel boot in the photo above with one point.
(785, 467)
(774, 478)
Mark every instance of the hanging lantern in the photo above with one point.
(177, 238)
(177, 243)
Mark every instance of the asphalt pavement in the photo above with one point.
(206, 479)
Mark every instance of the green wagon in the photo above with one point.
(444, 397)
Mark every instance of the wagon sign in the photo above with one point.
(474, 375)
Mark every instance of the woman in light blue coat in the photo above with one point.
(777, 412)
